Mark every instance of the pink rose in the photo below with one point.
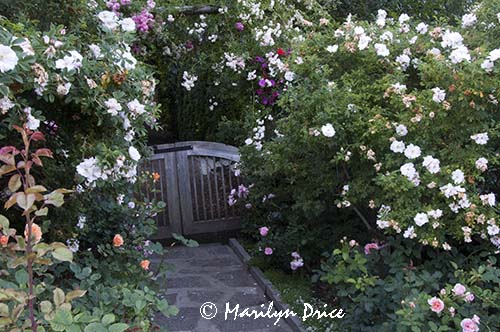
(436, 304)
(370, 246)
(263, 231)
(459, 290)
(268, 251)
(468, 325)
(469, 297)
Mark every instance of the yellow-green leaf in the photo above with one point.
(24, 201)
(15, 183)
(42, 212)
(75, 294)
(63, 254)
(36, 189)
(59, 297)
(4, 222)
(45, 307)
(54, 198)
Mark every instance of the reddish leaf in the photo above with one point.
(37, 136)
(36, 160)
(19, 129)
(9, 149)
(44, 153)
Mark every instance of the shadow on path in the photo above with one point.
(213, 273)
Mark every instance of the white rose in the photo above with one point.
(412, 151)
(8, 59)
(328, 130)
(127, 24)
(108, 19)
(421, 219)
(397, 146)
(134, 154)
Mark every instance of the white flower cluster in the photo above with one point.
(266, 35)
(236, 63)
(110, 21)
(189, 80)
(198, 28)
(70, 62)
(90, 169)
(259, 133)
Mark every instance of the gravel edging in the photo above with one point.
(266, 285)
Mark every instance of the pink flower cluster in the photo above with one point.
(115, 5)
(461, 291)
(470, 324)
(437, 306)
(143, 21)
(297, 261)
(370, 246)
(241, 192)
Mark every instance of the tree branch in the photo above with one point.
(193, 10)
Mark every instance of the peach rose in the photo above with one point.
(145, 264)
(118, 240)
(156, 176)
(436, 304)
(36, 233)
(4, 239)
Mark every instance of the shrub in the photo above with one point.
(83, 91)
(399, 286)
(388, 126)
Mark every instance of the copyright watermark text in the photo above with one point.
(208, 310)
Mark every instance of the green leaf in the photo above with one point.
(186, 242)
(4, 222)
(21, 277)
(84, 317)
(55, 198)
(42, 212)
(63, 254)
(75, 294)
(61, 320)
(45, 307)
(74, 328)
(95, 327)
(108, 319)
(118, 327)
(59, 297)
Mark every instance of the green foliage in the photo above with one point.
(389, 288)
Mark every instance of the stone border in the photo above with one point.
(265, 284)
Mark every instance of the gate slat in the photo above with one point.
(224, 193)
(202, 192)
(194, 179)
(216, 186)
(209, 182)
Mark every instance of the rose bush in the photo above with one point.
(395, 287)
(391, 127)
(369, 129)
(83, 91)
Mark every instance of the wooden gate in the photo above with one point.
(195, 181)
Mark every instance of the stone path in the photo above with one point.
(213, 273)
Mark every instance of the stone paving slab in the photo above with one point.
(213, 273)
